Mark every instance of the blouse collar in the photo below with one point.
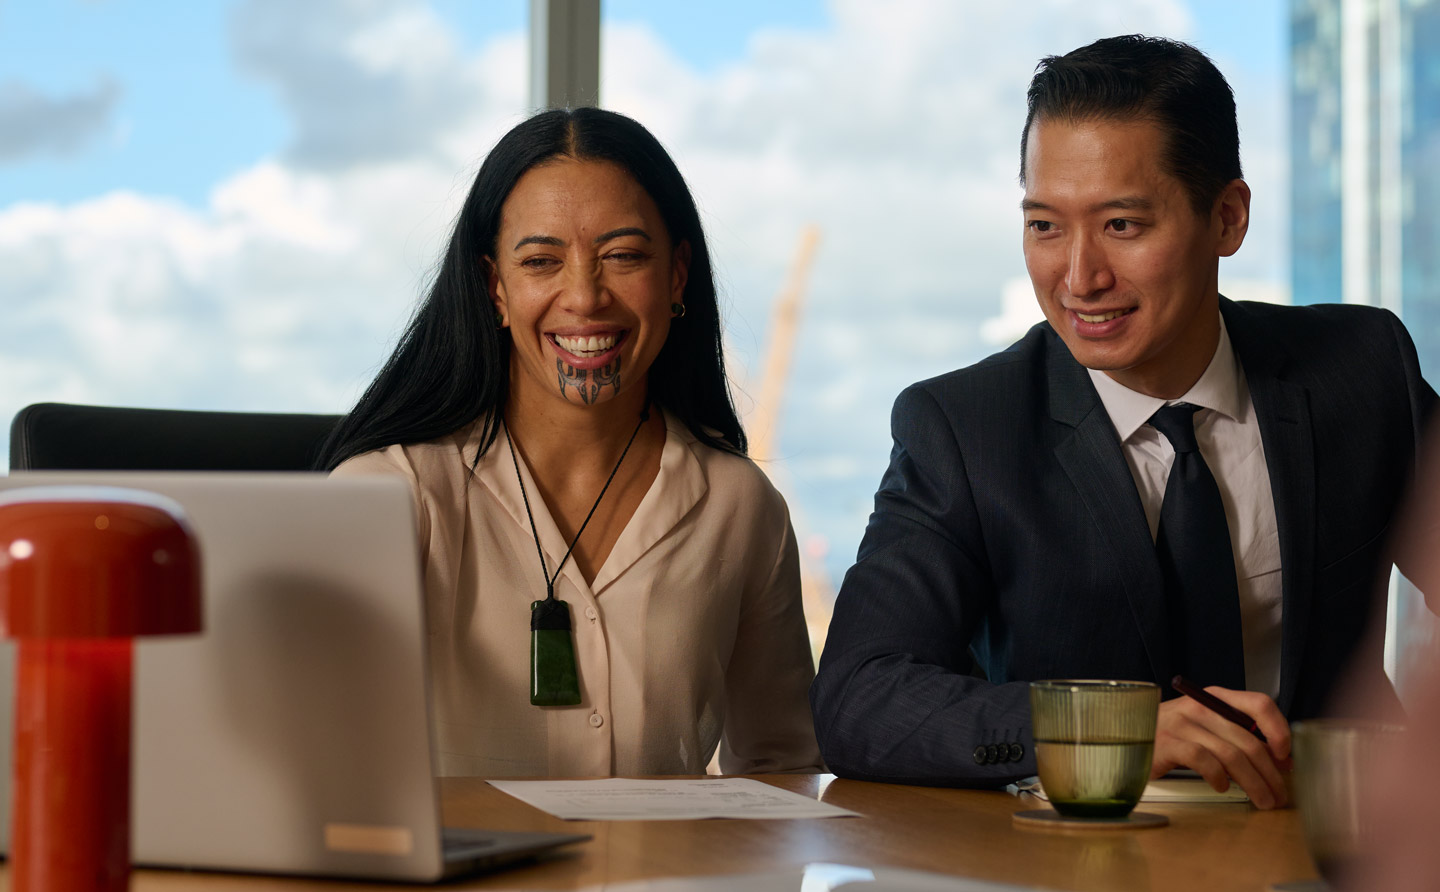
(677, 488)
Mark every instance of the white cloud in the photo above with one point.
(367, 81)
(282, 293)
(288, 207)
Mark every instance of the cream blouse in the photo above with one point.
(691, 635)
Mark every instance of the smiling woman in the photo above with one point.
(574, 312)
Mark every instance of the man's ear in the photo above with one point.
(496, 290)
(679, 270)
(1232, 217)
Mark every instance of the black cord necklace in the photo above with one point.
(554, 680)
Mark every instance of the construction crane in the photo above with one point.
(764, 425)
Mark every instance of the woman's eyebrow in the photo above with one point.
(622, 231)
(550, 240)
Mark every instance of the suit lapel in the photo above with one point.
(1283, 411)
(1095, 463)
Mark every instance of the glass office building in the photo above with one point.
(1365, 182)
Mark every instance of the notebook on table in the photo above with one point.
(293, 735)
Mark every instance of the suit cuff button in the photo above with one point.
(992, 754)
(980, 755)
(1017, 752)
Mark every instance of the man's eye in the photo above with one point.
(1122, 226)
(1040, 225)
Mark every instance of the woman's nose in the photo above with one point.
(584, 290)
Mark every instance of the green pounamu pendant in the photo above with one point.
(553, 679)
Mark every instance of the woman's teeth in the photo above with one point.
(586, 346)
(1103, 317)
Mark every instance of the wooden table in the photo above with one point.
(961, 832)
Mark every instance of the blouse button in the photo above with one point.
(596, 719)
(590, 614)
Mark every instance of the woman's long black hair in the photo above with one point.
(452, 364)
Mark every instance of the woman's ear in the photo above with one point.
(679, 270)
(496, 289)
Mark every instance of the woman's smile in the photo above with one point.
(591, 351)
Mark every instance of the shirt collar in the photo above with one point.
(1220, 388)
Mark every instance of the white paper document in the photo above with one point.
(627, 799)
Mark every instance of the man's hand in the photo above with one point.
(1189, 735)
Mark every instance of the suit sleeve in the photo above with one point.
(1423, 400)
(1421, 526)
(894, 699)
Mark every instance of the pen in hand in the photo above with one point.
(1216, 705)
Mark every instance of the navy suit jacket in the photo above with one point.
(1008, 527)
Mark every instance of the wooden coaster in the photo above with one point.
(1051, 820)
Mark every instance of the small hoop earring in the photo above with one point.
(677, 310)
(499, 319)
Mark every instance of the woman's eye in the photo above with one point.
(537, 262)
(626, 256)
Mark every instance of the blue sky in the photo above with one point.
(234, 205)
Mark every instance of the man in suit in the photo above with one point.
(1029, 522)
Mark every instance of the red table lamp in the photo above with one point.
(83, 570)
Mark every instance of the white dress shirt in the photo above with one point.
(1229, 438)
(690, 635)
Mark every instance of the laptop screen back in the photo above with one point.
(292, 735)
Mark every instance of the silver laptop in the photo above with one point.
(293, 735)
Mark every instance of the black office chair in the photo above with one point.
(57, 436)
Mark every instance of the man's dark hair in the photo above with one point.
(1165, 82)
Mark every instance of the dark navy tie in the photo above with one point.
(1193, 545)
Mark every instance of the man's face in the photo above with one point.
(1123, 266)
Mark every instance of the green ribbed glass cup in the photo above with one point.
(1094, 740)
